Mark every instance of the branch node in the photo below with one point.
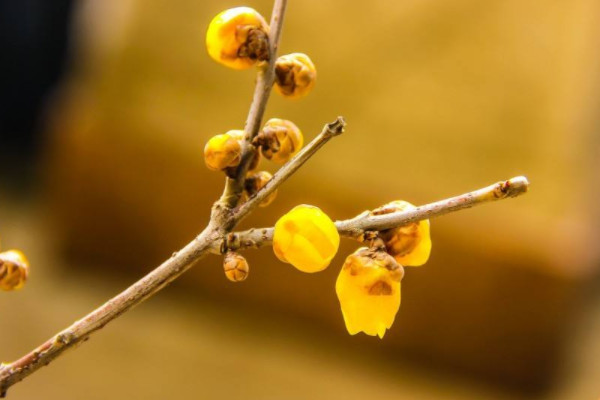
(336, 127)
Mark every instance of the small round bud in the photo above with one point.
(279, 140)
(238, 38)
(256, 181)
(306, 238)
(295, 75)
(368, 288)
(223, 151)
(14, 270)
(410, 244)
(235, 267)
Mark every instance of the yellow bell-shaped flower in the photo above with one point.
(368, 288)
(306, 238)
(410, 244)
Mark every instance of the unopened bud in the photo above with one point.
(235, 267)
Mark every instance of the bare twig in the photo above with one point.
(329, 131)
(357, 226)
(501, 190)
(264, 83)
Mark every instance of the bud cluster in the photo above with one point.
(368, 285)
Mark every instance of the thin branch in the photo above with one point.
(264, 83)
(357, 226)
(329, 131)
(80, 331)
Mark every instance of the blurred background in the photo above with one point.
(105, 107)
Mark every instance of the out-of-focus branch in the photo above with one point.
(357, 226)
(234, 187)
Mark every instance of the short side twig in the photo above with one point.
(357, 226)
(329, 131)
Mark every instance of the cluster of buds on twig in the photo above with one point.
(368, 286)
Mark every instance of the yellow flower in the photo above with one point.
(295, 75)
(14, 270)
(306, 238)
(256, 181)
(238, 38)
(368, 288)
(279, 140)
(410, 245)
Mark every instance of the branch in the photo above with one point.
(329, 131)
(356, 227)
(80, 331)
(264, 83)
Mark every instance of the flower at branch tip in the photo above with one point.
(306, 238)
(410, 244)
(295, 75)
(256, 181)
(14, 269)
(238, 38)
(224, 150)
(235, 267)
(279, 140)
(368, 288)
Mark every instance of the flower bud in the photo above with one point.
(239, 136)
(223, 151)
(295, 75)
(306, 238)
(238, 38)
(14, 269)
(368, 288)
(279, 140)
(410, 244)
(256, 181)
(235, 267)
